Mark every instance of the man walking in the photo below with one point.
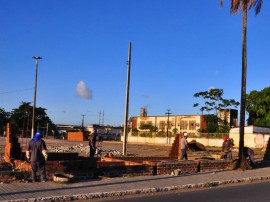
(184, 146)
(36, 153)
(92, 142)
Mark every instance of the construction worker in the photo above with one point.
(184, 147)
(249, 153)
(92, 142)
(36, 153)
(227, 146)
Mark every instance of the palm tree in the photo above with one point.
(243, 6)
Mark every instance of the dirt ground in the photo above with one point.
(133, 149)
(152, 150)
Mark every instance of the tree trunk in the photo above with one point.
(241, 164)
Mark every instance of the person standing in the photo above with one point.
(249, 153)
(36, 153)
(184, 147)
(227, 148)
(92, 142)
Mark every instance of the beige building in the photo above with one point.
(180, 123)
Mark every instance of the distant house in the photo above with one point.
(106, 132)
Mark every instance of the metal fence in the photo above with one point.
(170, 134)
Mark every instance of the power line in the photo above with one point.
(15, 91)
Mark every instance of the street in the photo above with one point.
(241, 192)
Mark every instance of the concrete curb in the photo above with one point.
(97, 195)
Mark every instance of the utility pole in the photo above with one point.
(127, 102)
(168, 122)
(103, 118)
(83, 122)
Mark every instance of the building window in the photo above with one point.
(192, 125)
(162, 125)
(184, 125)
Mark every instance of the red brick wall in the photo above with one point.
(214, 165)
(175, 149)
(169, 166)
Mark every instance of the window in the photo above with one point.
(192, 125)
(184, 125)
(162, 125)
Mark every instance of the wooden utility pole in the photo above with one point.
(127, 102)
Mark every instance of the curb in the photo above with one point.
(98, 195)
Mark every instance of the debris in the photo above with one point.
(81, 149)
(196, 146)
(176, 172)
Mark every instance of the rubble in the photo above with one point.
(81, 149)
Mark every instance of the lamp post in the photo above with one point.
(35, 94)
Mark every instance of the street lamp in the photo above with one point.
(35, 94)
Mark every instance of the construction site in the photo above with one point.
(69, 161)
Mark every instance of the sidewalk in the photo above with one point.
(48, 191)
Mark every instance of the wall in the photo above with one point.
(251, 140)
(255, 137)
(162, 140)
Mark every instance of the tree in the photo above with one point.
(149, 127)
(243, 6)
(4, 118)
(21, 117)
(258, 107)
(213, 101)
(175, 130)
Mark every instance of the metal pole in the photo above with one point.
(83, 122)
(168, 122)
(127, 102)
(35, 95)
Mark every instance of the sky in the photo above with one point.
(179, 48)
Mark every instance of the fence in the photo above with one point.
(170, 134)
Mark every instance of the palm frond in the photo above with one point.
(258, 6)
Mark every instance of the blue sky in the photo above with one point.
(178, 48)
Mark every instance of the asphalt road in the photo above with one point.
(254, 192)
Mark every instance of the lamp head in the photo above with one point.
(37, 57)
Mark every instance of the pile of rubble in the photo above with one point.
(69, 149)
(81, 149)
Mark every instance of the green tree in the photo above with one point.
(175, 130)
(258, 107)
(149, 127)
(211, 123)
(213, 101)
(4, 118)
(21, 119)
(243, 6)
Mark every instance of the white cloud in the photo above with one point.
(83, 91)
